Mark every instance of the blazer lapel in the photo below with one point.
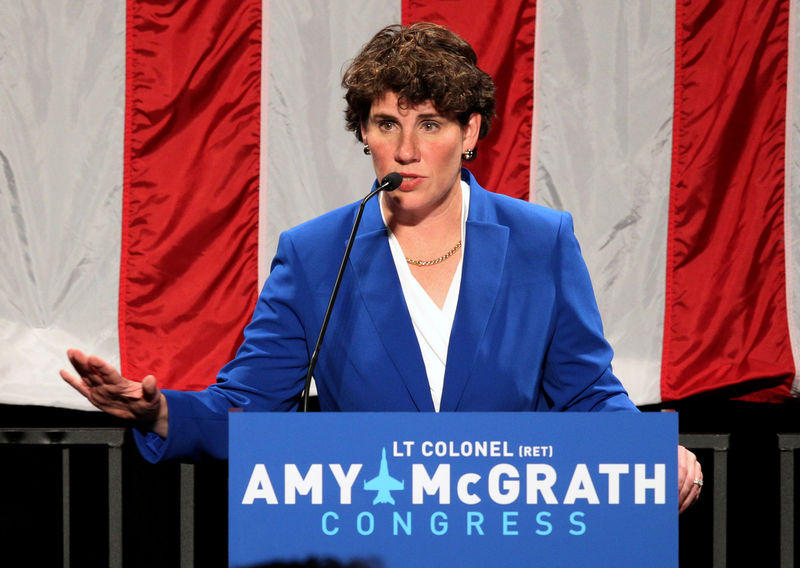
(376, 277)
(485, 257)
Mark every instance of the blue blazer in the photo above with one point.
(527, 333)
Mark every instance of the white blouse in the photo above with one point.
(431, 324)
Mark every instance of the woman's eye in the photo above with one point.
(429, 126)
(386, 125)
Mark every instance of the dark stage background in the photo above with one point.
(30, 493)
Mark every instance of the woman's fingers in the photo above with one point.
(75, 382)
(690, 478)
(104, 372)
(150, 392)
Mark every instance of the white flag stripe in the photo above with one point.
(314, 164)
(604, 109)
(792, 211)
(61, 148)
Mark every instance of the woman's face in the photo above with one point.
(421, 145)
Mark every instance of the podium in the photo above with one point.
(395, 490)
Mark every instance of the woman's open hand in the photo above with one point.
(109, 391)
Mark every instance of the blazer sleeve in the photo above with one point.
(577, 369)
(267, 373)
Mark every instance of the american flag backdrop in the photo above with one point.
(152, 151)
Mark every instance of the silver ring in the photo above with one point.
(698, 482)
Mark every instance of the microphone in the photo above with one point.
(389, 183)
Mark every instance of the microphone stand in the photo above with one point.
(389, 183)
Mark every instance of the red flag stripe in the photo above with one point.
(502, 34)
(725, 320)
(190, 195)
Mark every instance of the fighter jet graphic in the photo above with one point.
(383, 484)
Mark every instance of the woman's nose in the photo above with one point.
(407, 150)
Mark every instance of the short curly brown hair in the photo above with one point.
(421, 62)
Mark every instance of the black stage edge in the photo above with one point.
(30, 492)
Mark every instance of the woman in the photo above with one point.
(455, 298)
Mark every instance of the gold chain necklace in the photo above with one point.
(442, 258)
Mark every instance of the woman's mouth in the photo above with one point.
(410, 181)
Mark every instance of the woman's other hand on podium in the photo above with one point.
(690, 478)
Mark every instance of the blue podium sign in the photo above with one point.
(454, 489)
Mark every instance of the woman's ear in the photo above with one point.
(472, 130)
